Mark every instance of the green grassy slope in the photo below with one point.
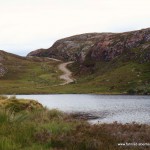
(127, 74)
(32, 75)
(128, 78)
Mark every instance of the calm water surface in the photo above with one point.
(124, 109)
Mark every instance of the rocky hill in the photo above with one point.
(71, 48)
(97, 46)
(106, 62)
(3, 70)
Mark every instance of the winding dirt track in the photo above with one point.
(67, 73)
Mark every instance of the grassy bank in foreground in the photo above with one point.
(43, 129)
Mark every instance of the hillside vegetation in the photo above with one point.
(105, 63)
(19, 75)
(42, 129)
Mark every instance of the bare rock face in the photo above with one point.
(98, 46)
(1, 56)
(39, 53)
(3, 70)
(113, 46)
(72, 48)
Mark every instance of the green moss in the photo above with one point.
(17, 105)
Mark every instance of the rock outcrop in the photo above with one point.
(6, 61)
(3, 69)
(98, 46)
(112, 46)
(72, 48)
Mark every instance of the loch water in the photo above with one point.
(106, 108)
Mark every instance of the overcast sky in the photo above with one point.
(26, 25)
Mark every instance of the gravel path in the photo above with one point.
(67, 73)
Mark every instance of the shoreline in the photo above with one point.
(102, 94)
